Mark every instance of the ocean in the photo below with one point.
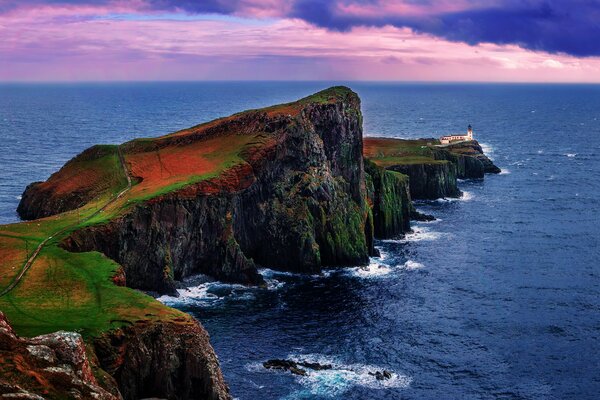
(499, 298)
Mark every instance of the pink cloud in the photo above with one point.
(71, 43)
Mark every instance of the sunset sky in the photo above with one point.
(407, 40)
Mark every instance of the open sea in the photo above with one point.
(499, 298)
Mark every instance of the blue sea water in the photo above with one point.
(497, 299)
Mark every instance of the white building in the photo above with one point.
(458, 138)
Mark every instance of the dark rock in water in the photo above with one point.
(294, 367)
(381, 375)
(315, 366)
(418, 216)
(284, 365)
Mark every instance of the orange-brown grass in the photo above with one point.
(90, 174)
(175, 166)
(13, 252)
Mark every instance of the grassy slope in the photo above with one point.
(387, 152)
(69, 291)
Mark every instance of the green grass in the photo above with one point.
(74, 291)
(388, 152)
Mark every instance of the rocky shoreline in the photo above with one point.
(302, 191)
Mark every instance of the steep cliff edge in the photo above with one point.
(282, 187)
(389, 196)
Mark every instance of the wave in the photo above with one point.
(18, 197)
(504, 171)
(341, 378)
(570, 155)
(413, 265)
(487, 150)
(467, 196)
(212, 293)
(419, 233)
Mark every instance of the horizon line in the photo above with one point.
(33, 82)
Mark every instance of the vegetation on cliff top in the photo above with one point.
(75, 291)
(386, 152)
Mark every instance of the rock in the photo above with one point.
(430, 180)
(388, 194)
(48, 366)
(418, 216)
(471, 160)
(294, 366)
(381, 375)
(162, 359)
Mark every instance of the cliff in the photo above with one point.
(258, 188)
(389, 196)
(432, 169)
(282, 187)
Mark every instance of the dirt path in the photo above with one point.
(38, 249)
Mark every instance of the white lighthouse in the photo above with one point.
(458, 137)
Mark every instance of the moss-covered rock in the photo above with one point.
(390, 199)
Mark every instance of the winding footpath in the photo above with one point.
(44, 242)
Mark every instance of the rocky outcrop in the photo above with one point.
(52, 366)
(388, 193)
(298, 203)
(476, 163)
(170, 359)
(430, 180)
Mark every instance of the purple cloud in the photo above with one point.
(554, 26)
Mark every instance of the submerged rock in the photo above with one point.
(381, 375)
(294, 366)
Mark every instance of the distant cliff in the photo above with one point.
(432, 169)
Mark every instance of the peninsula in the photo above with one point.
(293, 187)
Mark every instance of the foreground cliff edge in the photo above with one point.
(284, 187)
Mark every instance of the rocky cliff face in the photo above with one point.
(389, 195)
(429, 181)
(53, 366)
(475, 162)
(297, 203)
(432, 169)
(171, 360)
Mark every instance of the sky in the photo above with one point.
(401, 40)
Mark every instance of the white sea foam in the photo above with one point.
(467, 196)
(541, 151)
(18, 197)
(341, 378)
(413, 265)
(504, 171)
(487, 150)
(570, 155)
(419, 233)
(373, 270)
(211, 293)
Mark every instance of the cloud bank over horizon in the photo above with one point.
(485, 40)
